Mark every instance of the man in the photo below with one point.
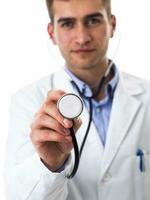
(115, 163)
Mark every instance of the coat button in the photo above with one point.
(98, 109)
(107, 178)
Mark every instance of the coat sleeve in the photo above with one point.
(25, 175)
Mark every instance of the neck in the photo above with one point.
(101, 94)
(92, 76)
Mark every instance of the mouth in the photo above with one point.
(83, 50)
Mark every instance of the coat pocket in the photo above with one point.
(142, 177)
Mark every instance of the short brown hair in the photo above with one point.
(49, 3)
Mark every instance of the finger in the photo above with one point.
(40, 136)
(51, 109)
(52, 98)
(55, 95)
(77, 124)
(43, 121)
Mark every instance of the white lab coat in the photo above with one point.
(104, 174)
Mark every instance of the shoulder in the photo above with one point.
(135, 79)
(32, 96)
(36, 89)
(135, 85)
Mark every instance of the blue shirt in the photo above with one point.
(102, 108)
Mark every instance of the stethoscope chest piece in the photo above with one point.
(70, 105)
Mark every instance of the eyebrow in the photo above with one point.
(97, 14)
(63, 19)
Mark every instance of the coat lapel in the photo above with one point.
(124, 109)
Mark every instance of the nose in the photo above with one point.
(83, 36)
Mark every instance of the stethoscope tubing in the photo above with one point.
(77, 151)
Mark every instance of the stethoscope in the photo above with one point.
(70, 106)
(68, 110)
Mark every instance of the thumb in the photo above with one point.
(77, 124)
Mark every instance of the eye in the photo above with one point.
(67, 24)
(93, 21)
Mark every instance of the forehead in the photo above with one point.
(76, 8)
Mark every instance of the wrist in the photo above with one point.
(58, 167)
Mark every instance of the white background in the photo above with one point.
(26, 53)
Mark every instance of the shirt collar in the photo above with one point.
(84, 88)
(81, 85)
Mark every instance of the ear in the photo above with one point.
(113, 25)
(51, 32)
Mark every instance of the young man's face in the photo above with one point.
(81, 29)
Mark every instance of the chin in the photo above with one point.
(83, 66)
(76, 62)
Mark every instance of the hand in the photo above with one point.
(50, 132)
